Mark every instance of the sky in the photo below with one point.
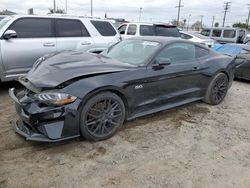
(152, 10)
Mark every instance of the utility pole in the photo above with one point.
(66, 6)
(201, 21)
(188, 21)
(248, 16)
(226, 9)
(91, 8)
(140, 14)
(213, 21)
(179, 9)
(54, 8)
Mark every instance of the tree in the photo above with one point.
(58, 11)
(241, 25)
(216, 24)
(196, 26)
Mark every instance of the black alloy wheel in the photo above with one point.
(217, 89)
(102, 116)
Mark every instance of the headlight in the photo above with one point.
(55, 98)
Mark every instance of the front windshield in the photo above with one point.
(4, 21)
(135, 52)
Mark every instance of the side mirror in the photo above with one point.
(9, 34)
(160, 63)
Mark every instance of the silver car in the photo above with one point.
(24, 39)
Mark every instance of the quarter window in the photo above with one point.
(178, 52)
(33, 28)
(216, 33)
(229, 33)
(122, 29)
(70, 28)
(131, 29)
(104, 28)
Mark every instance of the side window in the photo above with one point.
(200, 52)
(122, 29)
(33, 28)
(131, 29)
(70, 28)
(147, 30)
(185, 36)
(167, 31)
(104, 28)
(229, 33)
(216, 33)
(178, 52)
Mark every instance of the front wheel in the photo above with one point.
(102, 116)
(217, 89)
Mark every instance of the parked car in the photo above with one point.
(247, 38)
(225, 35)
(241, 51)
(75, 93)
(24, 39)
(128, 30)
(2, 17)
(196, 37)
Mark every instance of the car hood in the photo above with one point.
(64, 66)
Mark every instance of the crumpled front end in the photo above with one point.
(45, 123)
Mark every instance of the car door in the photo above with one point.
(35, 38)
(122, 30)
(176, 83)
(71, 34)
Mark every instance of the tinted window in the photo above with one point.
(229, 33)
(104, 28)
(131, 29)
(33, 28)
(178, 52)
(185, 36)
(146, 30)
(70, 28)
(205, 32)
(122, 29)
(200, 52)
(216, 33)
(167, 31)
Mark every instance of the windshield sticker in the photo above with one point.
(149, 43)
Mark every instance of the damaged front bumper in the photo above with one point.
(45, 123)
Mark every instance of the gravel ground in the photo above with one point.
(196, 145)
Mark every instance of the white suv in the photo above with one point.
(128, 30)
(24, 39)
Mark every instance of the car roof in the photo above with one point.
(159, 39)
(63, 16)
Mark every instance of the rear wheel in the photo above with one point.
(102, 116)
(217, 89)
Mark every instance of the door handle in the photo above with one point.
(195, 68)
(49, 44)
(86, 43)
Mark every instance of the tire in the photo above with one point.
(217, 89)
(102, 116)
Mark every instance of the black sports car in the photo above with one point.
(72, 94)
(241, 51)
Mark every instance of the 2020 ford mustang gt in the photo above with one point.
(72, 94)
